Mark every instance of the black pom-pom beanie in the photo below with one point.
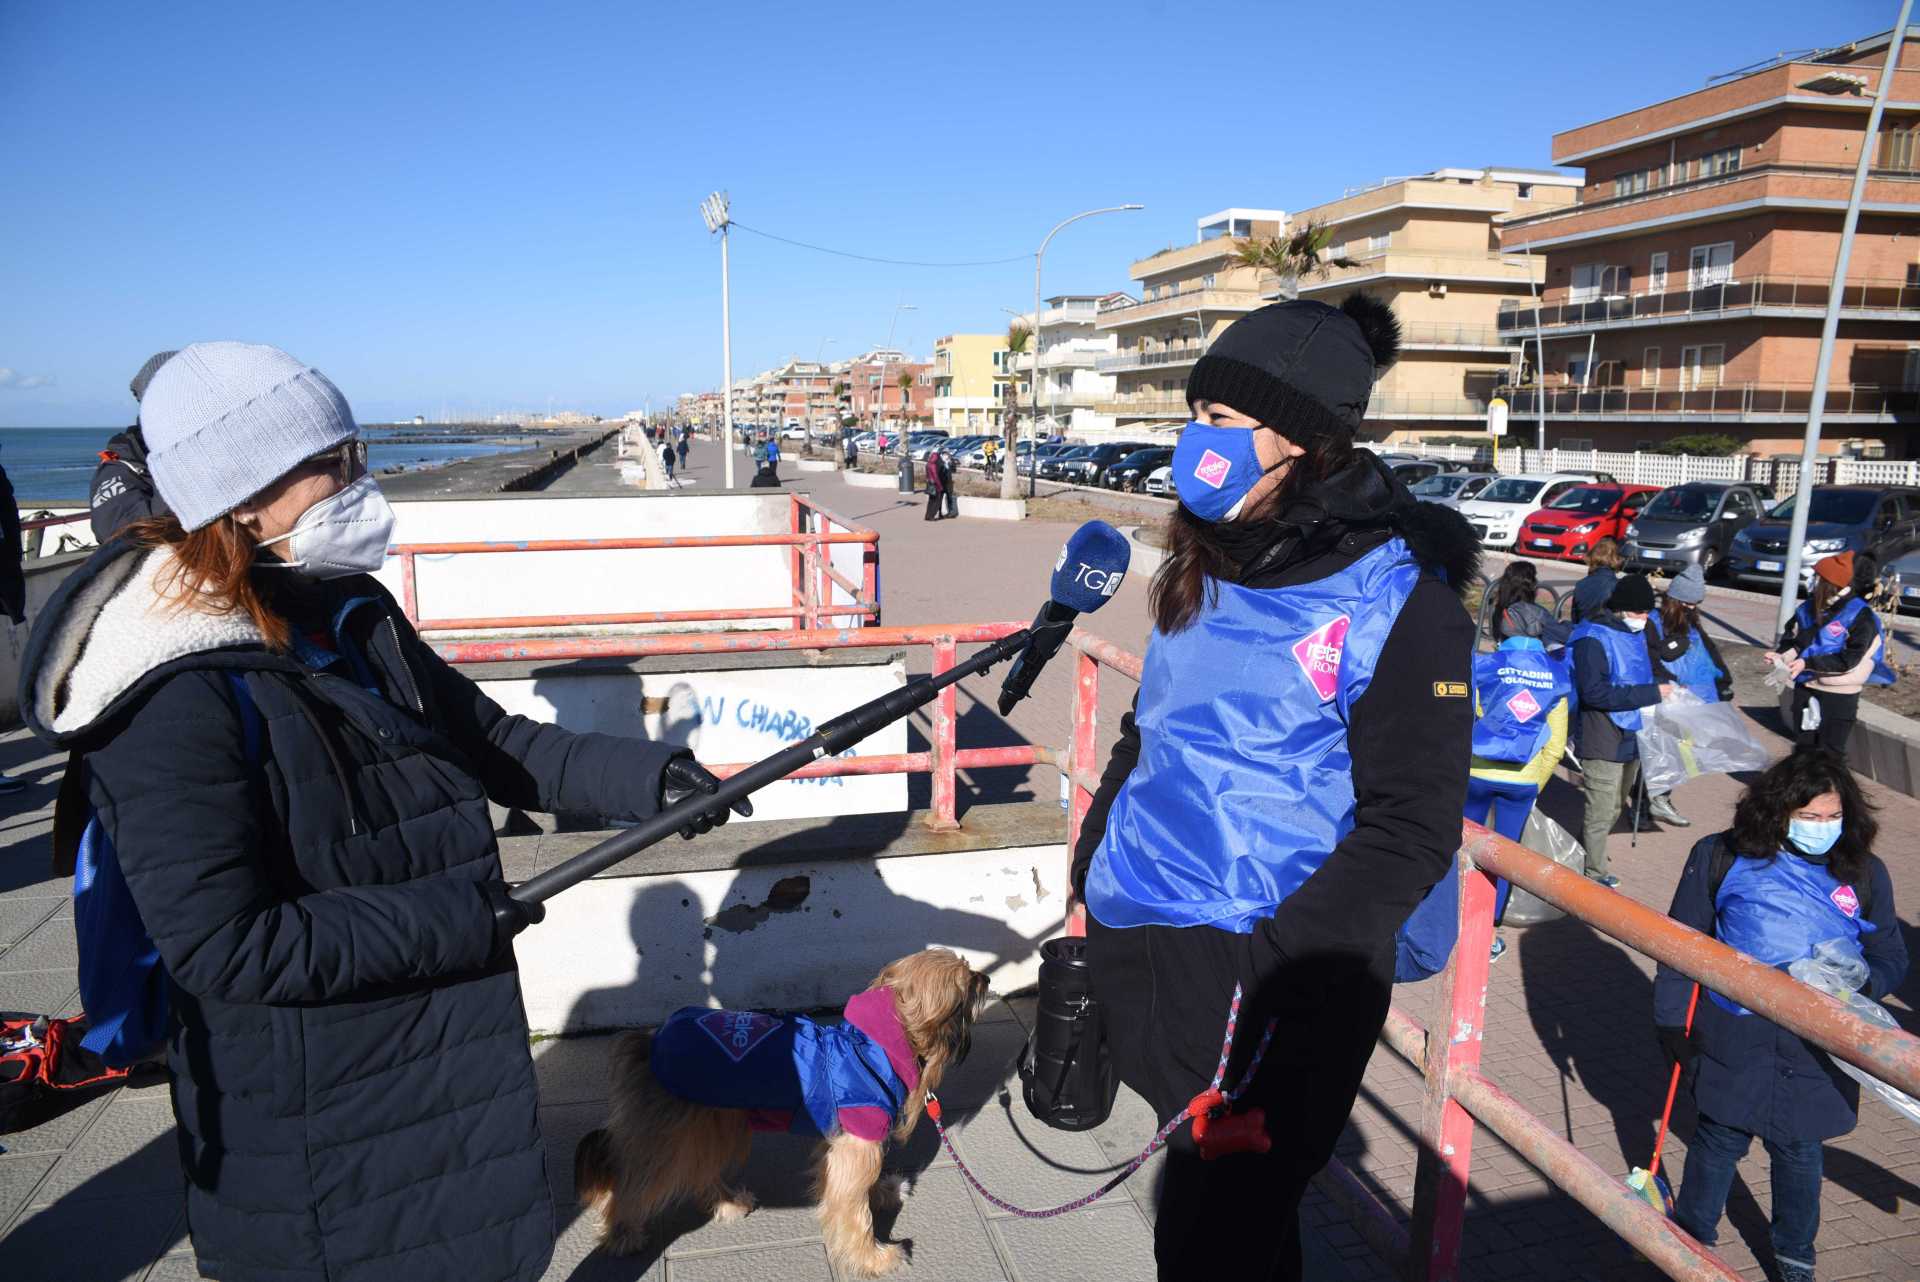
(1300, 367)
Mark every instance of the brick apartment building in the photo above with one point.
(1684, 292)
(874, 393)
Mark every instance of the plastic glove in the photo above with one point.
(1678, 1044)
(684, 777)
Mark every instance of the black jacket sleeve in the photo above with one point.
(531, 765)
(1591, 678)
(1884, 947)
(13, 575)
(1860, 638)
(1410, 738)
(173, 792)
(1093, 829)
(1692, 906)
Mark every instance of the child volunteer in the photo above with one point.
(1613, 679)
(1834, 647)
(1796, 869)
(1684, 655)
(1290, 784)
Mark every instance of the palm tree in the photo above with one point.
(1019, 339)
(1300, 254)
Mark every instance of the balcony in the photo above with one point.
(1757, 296)
(1726, 403)
(1417, 336)
(1141, 407)
(1193, 300)
(1057, 358)
(1394, 264)
(1138, 358)
(1418, 407)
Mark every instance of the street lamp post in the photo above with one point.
(1039, 257)
(714, 211)
(879, 422)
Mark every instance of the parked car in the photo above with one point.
(1450, 489)
(795, 430)
(1691, 524)
(1160, 480)
(1466, 465)
(1129, 472)
(1414, 471)
(1567, 527)
(921, 444)
(1091, 468)
(1498, 511)
(1902, 574)
(1038, 457)
(1051, 465)
(1881, 519)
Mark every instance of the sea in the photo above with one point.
(55, 464)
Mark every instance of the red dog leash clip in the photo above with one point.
(1217, 1132)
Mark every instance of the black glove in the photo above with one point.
(684, 777)
(1678, 1045)
(510, 916)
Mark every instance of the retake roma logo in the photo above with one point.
(737, 1031)
(1212, 469)
(1524, 707)
(1845, 900)
(1318, 654)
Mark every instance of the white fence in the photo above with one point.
(1677, 469)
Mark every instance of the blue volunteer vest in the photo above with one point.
(772, 1063)
(1832, 639)
(1695, 669)
(1627, 663)
(1775, 910)
(1244, 784)
(1516, 686)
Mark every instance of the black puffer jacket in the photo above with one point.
(122, 487)
(351, 1075)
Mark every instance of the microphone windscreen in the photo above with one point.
(1091, 567)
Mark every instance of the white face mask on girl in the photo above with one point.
(345, 533)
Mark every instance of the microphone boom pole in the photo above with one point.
(835, 736)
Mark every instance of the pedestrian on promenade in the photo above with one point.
(1516, 610)
(773, 455)
(684, 447)
(1833, 647)
(936, 485)
(122, 489)
(1590, 594)
(853, 450)
(1684, 655)
(666, 461)
(1797, 869)
(295, 790)
(1613, 679)
(1305, 617)
(949, 491)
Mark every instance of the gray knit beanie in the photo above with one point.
(1689, 587)
(223, 421)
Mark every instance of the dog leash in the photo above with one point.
(1203, 1108)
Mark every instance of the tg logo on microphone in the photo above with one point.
(1105, 582)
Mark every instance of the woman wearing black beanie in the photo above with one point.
(1290, 783)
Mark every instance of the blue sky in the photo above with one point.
(482, 205)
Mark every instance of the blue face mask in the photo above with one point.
(1215, 468)
(1813, 838)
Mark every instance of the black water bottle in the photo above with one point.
(1066, 1074)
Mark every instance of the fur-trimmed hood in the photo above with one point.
(110, 632)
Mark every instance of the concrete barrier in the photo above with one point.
(1146, 557)
(815, 465)
(873, 480)
(993, 509)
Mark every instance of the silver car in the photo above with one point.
(1451, 489)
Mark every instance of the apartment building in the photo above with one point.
(1685, 290)
(1069, 350)
(970, 378)
(1188, 294)
(875, 396)
(1426, 246)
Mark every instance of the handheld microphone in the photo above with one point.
(1087, 573)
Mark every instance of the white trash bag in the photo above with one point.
(1544, 837)
(1837, 969)
(1683, 737)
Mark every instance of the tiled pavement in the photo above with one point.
(1567, 1033)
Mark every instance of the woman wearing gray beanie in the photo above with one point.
(286, 792)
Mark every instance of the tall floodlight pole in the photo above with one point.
(1830, 328)
(880, 419)
(1039, 257)
(714, 210)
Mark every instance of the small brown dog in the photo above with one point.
(685, 1106)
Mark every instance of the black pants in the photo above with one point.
(1165, 993)
(1837, 715)
(933, 505)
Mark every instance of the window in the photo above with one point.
(1206, 282)
(1910, 376)
(1630, 184)
(1632, 504)
(1710, 265)
(1379, 240)
(1896, 145)
(1650, 367)
(1576, 443)
(1740, 503)
(1586, 283)
(1616, 281)
(1700, 366)
(1657, 273)
(1523, 191)
(1714, 163)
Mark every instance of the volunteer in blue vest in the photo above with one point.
(1796, 869)
(1290, 783)
(1613, 679)
(1833, 647)
(1686, 656)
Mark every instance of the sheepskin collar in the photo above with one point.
(111, 630)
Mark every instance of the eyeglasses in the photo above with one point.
(350, 457)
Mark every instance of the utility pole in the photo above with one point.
(1830, 329)
(714, 211)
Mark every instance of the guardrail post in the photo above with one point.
(1081, 750)
(870, 578)
(943, 817)
(1446, 1129)
(409, 589)
(797, 524)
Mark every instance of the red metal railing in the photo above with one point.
(34, 529)
(1459, 1094)
(812, 532)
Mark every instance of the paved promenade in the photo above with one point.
(95, 1194)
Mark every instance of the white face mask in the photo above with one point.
(345, 533)
(1633, 624)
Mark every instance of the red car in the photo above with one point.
(1567, 528)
